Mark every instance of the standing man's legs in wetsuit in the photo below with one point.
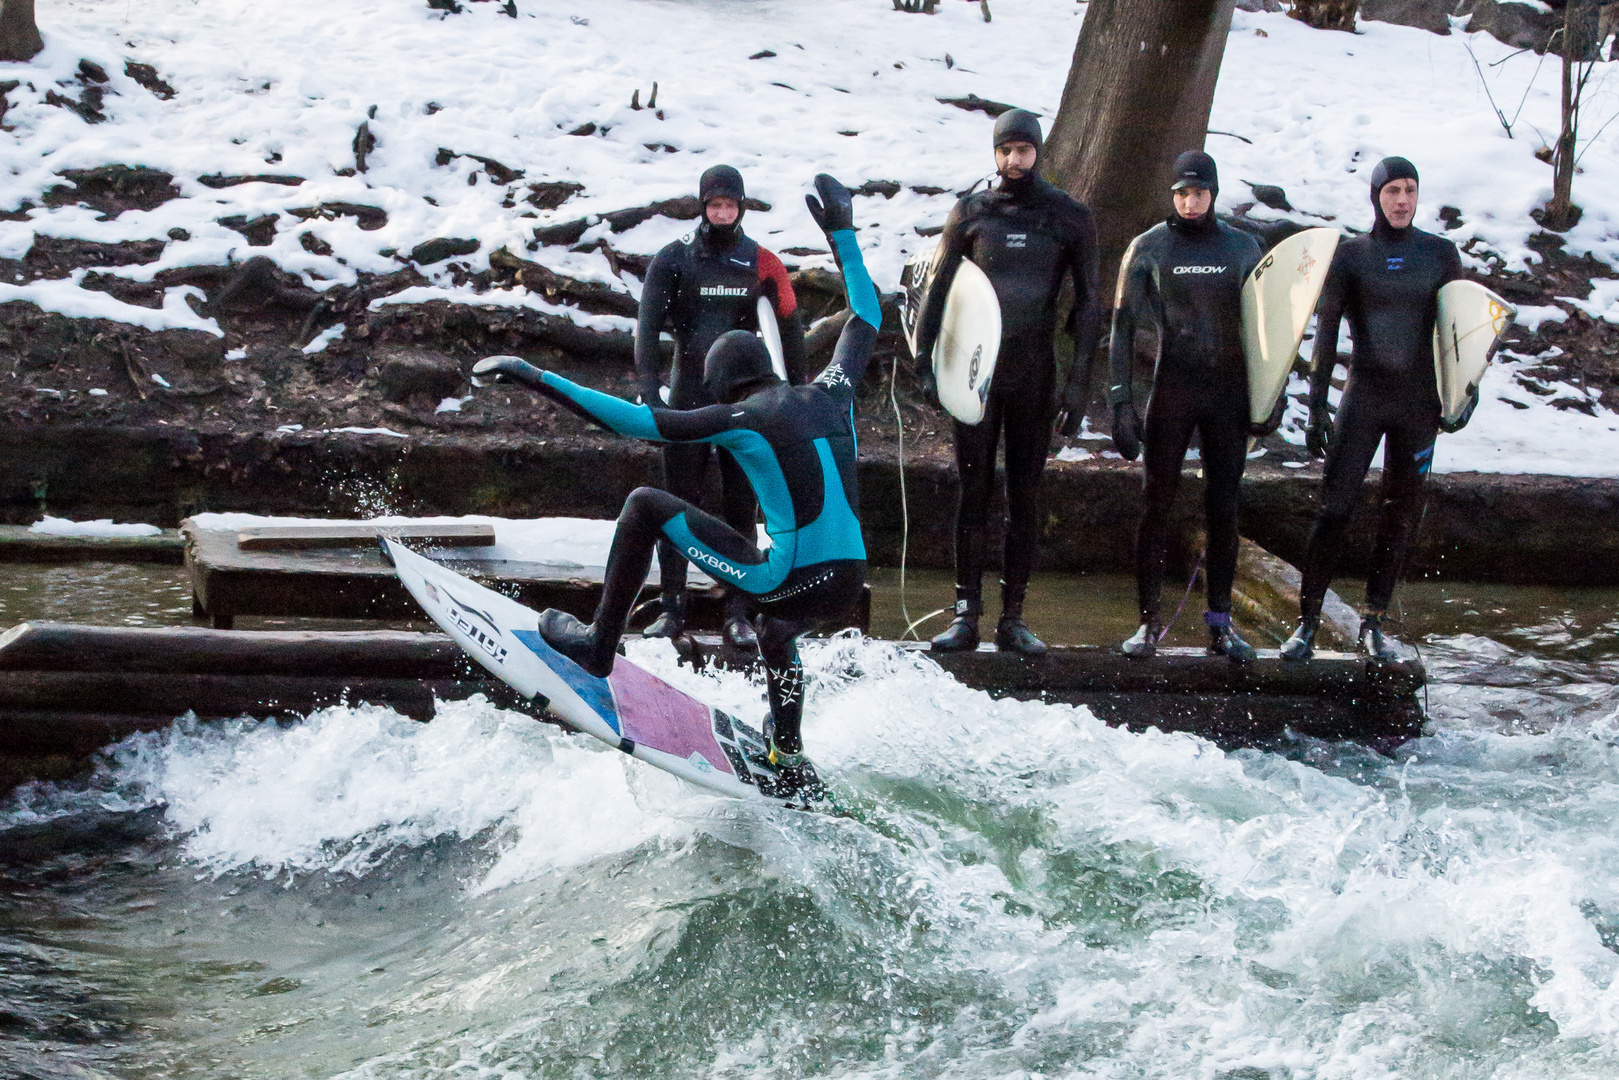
(1178, 408)
(1407, 424)
(1023, 414)
(685, 473)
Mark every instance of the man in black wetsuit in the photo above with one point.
(796, 445)
(1185, 277)
(1026, 235)
(700, 287)
(1387, 284)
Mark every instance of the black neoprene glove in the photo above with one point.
(1319, 437)
(1126, 431)
(1271, 422)
(834, 210)
(1461, 421)
(926, 385)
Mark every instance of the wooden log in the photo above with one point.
(316, 536)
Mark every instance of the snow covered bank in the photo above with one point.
(483, 124)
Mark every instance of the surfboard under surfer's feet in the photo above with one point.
(797, 782)
(577, 641)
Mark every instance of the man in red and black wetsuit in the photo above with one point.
(699, 288)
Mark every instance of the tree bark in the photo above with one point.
(1580, 50)
(19, 37)
(1139, 92)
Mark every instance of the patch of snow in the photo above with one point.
(1533, 316)
(98, 392)
(1603, 303)
(289, 429)
(236, 354)
(55, 526)
(368, 431)
(161, 381)
(63, 296)
(325, 338)
(451, 404)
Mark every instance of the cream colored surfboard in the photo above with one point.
(969, 337)
(1277, 301)
(770, 331)
(1469, 326)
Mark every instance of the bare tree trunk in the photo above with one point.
(19, 37)
(1139, 93)
(1327, 14)
(1580, 51)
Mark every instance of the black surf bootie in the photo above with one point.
(1301, 646)
(962, 633)
(738, 632)
(1144, 642)
(580, 643)
(1224, 639)
(1012, 634)
(1375, 643)
(672, 622)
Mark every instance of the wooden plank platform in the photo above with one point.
(20, 545)
(66, 690)
(317, 536)
(228, 581)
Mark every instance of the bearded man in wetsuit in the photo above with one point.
(796, 445)
(1386, 283)
(700, 287)
(1185, 277)
(1027, 236)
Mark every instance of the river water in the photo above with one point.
(1014, 890)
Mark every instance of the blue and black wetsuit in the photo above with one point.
(796, 444)
(698, 288)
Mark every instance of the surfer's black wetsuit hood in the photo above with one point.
(1020, 125)
(1194, 168)
(1387, 171)
(737, 365)
(718, 181)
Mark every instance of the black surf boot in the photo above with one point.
(1144, 642)
(796, 778)
(584, 645)
(1012, 634)
(738, 632)
(672, 622)
(1301, 646)
(962, 633)
(1224, 639)
(1376, 644)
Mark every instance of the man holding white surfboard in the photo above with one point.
(1387, 284)
(700, 287)
(1027, 237)
(1185, 276)
(796, 445)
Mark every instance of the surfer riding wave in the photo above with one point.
(796, 444)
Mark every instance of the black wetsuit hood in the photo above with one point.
(1194, 168)
(718, 181)
(1020, 125)
(737, 365)
(1387, 171)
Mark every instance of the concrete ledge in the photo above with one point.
(19, 545)
(1515, 529)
